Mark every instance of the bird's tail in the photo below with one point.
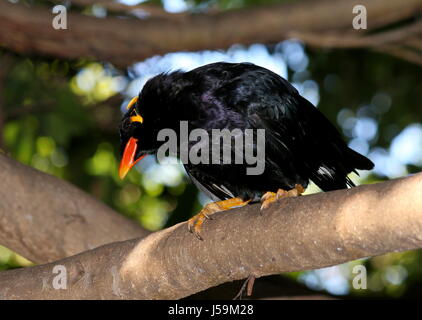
(333, 176)
(358, 161)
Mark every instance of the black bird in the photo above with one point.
(300, 143)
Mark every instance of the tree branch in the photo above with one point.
(351, 40)
(29, 30)
(44, 218)
(301, 233)
(392, 42)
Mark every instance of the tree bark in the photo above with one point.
(124, 41)
(44, 218)
(295, 234)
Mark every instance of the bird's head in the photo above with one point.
(129, 138)
(137, 138)
(157, 107)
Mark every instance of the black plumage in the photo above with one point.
(300, 143)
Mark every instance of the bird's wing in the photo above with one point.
(298, 136)
(214, 191)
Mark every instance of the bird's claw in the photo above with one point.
(270, 197)
(195, 223)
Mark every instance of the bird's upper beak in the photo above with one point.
(128, 159)
(129, 154)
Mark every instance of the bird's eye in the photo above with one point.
(136, 118)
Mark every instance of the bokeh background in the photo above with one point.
(61, 117)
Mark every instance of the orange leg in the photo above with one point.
(270, 197)
(195, 223)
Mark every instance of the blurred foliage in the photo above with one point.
(232, 4)
(10, 260)
(61, 117)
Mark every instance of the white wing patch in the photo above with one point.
(325, 171)
(224, 189)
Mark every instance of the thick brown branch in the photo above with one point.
(124, 41)
(301, 233)
(44, 218)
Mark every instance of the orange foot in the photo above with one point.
(195, 223)
(270, 197)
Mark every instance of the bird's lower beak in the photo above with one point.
(128, 159)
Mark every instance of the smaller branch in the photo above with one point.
(357, 40)
(265, 288)
(390, 42)
(403, 53)
(300, 233)
(415, 43)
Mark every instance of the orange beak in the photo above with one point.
(128, 159)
